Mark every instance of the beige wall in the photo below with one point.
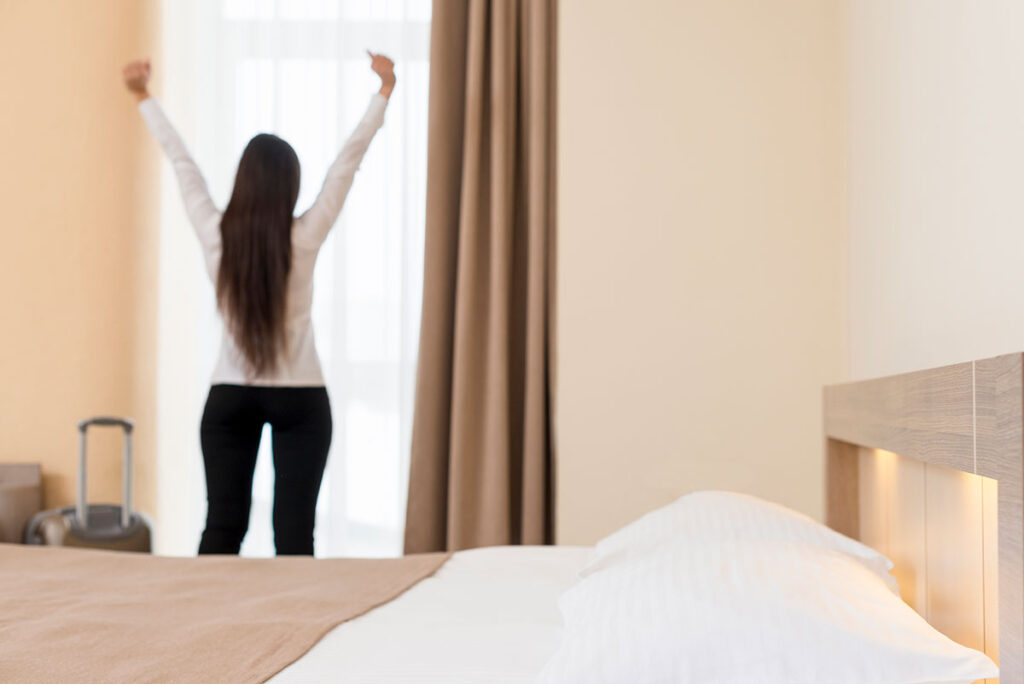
(700, 252)
(79, 217)
(936, 134)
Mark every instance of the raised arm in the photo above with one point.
(316, 223)
(202, 214)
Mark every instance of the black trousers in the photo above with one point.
(233, 420)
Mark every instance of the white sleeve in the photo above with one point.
(202, 214)
(316, 223)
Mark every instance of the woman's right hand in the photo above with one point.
(136, 78)
(385, 68)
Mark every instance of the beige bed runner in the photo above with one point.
(70, 615)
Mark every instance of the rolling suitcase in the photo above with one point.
(95, 526)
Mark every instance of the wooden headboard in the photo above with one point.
(927, 467)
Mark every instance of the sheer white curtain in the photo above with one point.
(298, 68)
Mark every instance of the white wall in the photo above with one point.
(936, 182)
(700, 252)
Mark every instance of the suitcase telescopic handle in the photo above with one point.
(126, 475)
(111, 421)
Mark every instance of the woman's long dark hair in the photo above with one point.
(256, 250)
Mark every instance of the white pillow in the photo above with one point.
(719, 516)
(741, 611)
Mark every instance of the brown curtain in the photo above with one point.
(481, 468)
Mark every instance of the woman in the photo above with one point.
(260, 258)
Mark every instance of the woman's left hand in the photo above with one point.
(385, 68)
(136, 78)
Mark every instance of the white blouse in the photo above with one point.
(300, 365)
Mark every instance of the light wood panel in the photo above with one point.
(908, 547)
(930, 520)
(876, 470)
(970, 418)
(955, 555)
(989, 507)
(842, 509)
(927, 415)
(1000, 453)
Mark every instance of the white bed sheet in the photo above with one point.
(487, 616)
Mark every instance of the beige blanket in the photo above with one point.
(70, 615)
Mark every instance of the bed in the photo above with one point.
(947, 509)
(957, 429)
(490, 599)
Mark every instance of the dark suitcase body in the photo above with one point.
(95, 526)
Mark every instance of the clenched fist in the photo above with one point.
(136, 78)
(385, 68)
